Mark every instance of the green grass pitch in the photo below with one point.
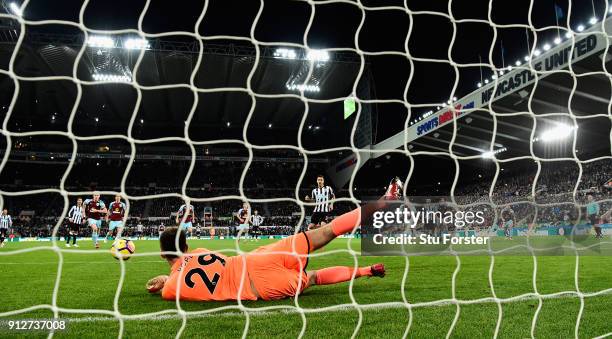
(90, 280)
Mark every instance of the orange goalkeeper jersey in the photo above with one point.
(207, 275)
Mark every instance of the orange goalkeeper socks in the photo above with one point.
(338, 274)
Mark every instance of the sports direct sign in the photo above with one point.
(441, 119)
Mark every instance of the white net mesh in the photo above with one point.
(405, 138)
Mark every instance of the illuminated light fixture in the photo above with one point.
(454, 98)
(15, 8)
(269, 125)
(546, 47)
(593, 21)
(517, 63)
(559, 132)
(309, 126)
(568, 35)
(501, 72)
(537, 52)
(317, 127)
(580, 28)
(557, 40)
(509, 68)
(100, 41)
(486, 81)
(491, 154)
(228, 124)
(136, 43)
(96, 119)
(285, 53)
(305, 88)
(494, 76)
(479, 85)
(317, 55)
(112, 77)
(527, 58)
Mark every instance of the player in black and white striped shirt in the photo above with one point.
(256, 221)
(76, 217)
(322, 195)
(5, 223)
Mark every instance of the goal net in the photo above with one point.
(520, 121)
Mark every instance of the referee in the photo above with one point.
(5, 223)
(592, 209)
(256, 221)
(76, 216)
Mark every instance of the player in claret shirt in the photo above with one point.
(116, 211)
(271, 272)
(94, 209)
(185, 217)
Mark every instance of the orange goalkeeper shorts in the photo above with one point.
(280, 275)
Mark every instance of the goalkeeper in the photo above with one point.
(203, 275)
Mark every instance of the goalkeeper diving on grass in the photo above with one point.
(274, 271)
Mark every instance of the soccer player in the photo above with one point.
(161, 229)
(5, 223)
(592, 209)
(198, 231)
(322, 195)
(185, 218)
(116, 211)
(139, 230)
(507, 216)
(244, 218)
(271, 272)
(94, 209)
(256, 221)
(76, 216)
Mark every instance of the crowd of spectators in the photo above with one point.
(557, 197)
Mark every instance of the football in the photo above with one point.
(123, 249)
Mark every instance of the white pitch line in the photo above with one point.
(211, 313)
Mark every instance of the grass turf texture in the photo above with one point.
(89, 281)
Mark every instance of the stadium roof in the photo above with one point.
(106, 108)
(522, 104)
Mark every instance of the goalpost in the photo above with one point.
(479, 99)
